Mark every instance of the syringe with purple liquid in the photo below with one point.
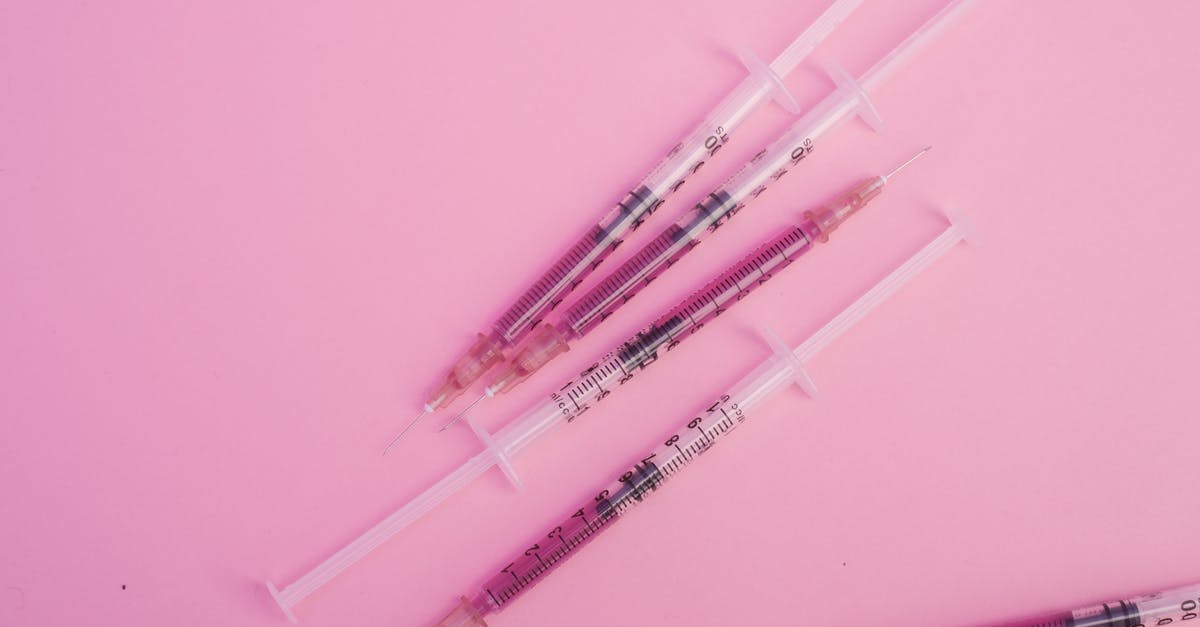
(1169, 607)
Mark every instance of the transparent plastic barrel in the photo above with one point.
(685, 159)
(767, 167)
(618, 367)
(548, 551)
(1179, 606)
(785, 153)
(689, 155)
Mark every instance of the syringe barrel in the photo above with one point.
(708, 215)
(646, 265)
(683, 160)
(574, 266)
(689, 155)
(548, 550)
(719, 294)
(1169, 607)
(785, 153)
(578, 396)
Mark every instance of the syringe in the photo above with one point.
(1170, 607)
(551, 340)
(600, 241)
(771, 164)
(576, 397)
(699, 434)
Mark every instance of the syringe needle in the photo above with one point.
(462, 413)
(906, 163)
(406, 430)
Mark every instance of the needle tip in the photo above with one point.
(906, 163)
(412, 423)
(462, 413)
(452, 421)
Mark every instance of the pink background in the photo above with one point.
(239, 239)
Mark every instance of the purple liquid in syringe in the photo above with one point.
(1179, 606)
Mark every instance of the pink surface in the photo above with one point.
(238, 241)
